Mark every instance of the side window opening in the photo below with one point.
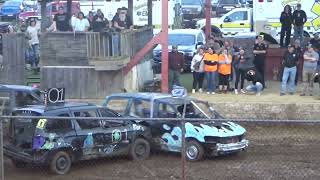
(140, 108)
(86, 123)
(118, 104)
(59, 125)
(166, 111)
(4, 103)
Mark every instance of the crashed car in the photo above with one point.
(202, 138)
(58, 143)
(15, 96)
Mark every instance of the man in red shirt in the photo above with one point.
(176, 64)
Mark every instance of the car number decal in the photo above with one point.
(41, 123)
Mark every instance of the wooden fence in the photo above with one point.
(12, 70)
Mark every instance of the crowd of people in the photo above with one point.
(224, 66)
(95, 22)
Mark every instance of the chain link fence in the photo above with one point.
(278, 149)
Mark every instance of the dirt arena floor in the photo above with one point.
(275, 152)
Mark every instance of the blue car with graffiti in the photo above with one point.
(60, 142)
(202, 138)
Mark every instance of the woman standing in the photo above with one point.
(211, 66)
(286, 25)
(224, 69)
(240, 68)
(81, 23)
(197, 68)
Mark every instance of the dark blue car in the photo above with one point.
(11, 9)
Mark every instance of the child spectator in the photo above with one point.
(224, 69)
(211, 66)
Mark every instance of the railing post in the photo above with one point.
(1, 150)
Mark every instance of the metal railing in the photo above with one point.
(274, 138)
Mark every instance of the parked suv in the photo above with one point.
(187, 40)
(224, 6)
(59, 142)
(192, 10)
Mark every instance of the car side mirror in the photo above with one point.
(227, 19)
(199, 44)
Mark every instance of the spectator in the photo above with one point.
(260, 51)
(197, 69)
(224, 70)
(34, 33)
(213, 43)
(299, 18)
(115, 16)
(309, 69)
(255, 77)
(123, 21)
(290, 61)
(99, 23)
(240, 67)
(81, 23)
(286, 25)
(211, 66)
(176, 64)
(315, 42)
(61, 21)
(90, 19)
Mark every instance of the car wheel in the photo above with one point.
(194, 151)
(140, 149)
(18, 164)
(60, 163)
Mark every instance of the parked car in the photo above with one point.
(192, 10)
(188, 40)
(207, 138)
(60, 142)
(10, 10)
(13, 97)
(224, 6)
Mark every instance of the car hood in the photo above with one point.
(224, 129)
(201, 23)
(189, 48)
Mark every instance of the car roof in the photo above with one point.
(149, 96)
(185, 31)
(42, 108)
(17, 87)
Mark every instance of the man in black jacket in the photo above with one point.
(299, 18)
(255, 77)
(286, 25)
(289, 62)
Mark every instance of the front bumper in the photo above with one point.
(12, 153)
(232, 147)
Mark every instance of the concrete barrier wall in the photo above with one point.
(307, 111)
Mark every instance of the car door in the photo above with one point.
(236, 22)
(166, 134)
(117, 134)
(88, 132)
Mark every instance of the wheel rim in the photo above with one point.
(140, 150)
(192, 152)
(62, 163)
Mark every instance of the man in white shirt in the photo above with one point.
(81, 23)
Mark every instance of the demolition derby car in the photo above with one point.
(60, 142)
(202, 138)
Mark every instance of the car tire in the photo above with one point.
(18, 164)
(140, 149)
(60, 163)
(194, 151)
